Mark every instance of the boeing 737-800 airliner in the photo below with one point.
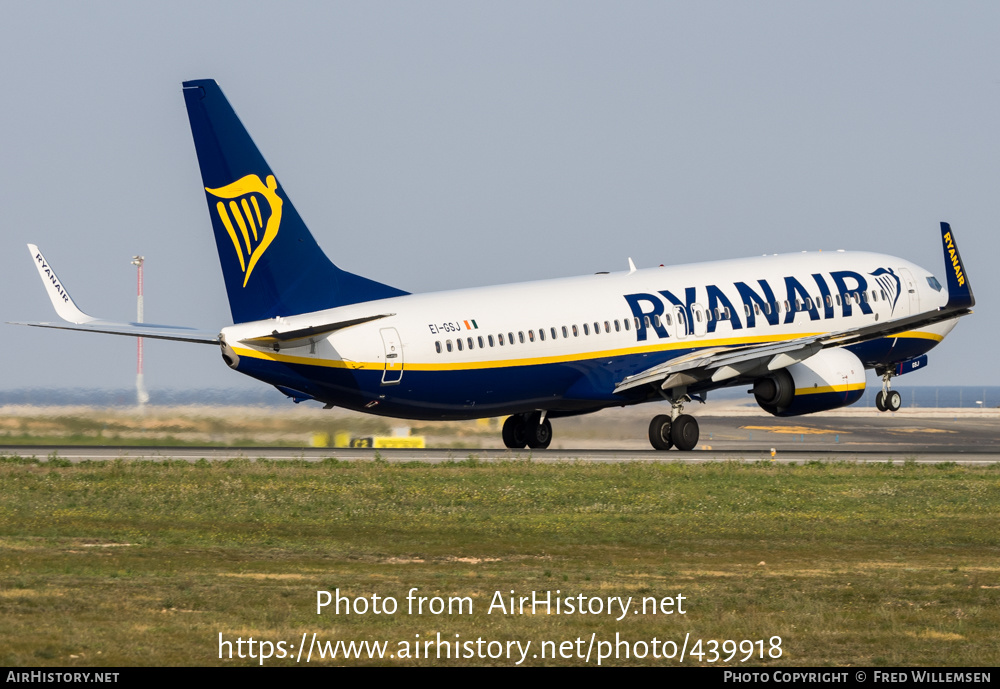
(798, 329)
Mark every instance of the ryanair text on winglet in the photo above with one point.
(52, 277)
(956, 265)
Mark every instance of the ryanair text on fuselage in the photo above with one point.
(759, 302)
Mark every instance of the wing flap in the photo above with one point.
(723, 363)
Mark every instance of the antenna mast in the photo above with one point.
(140, 384)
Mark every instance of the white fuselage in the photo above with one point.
(604, 326)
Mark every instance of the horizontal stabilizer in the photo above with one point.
(67, 309)
(301, 337)
(154, 332)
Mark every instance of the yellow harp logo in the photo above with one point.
(245, 209)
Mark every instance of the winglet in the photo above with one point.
(64, 305)
(959, 290)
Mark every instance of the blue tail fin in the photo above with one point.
(271, 263)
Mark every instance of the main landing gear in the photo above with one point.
(677, 430)
(887, 399)
(533, 430)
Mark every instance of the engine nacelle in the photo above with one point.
(829, 379)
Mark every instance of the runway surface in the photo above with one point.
(881, 438)
(79, 454)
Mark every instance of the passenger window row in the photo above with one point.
(527, 337)
(798, 305)
(655, 321)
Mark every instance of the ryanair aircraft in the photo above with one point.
(798, 329)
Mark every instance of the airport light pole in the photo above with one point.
(140, 384)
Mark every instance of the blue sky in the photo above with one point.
(450, 144)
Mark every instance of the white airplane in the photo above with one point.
(798, 329)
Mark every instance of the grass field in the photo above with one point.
(217, 426)
(143, 563)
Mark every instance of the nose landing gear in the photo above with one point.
(887, 399)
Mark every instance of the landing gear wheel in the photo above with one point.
(893, 401)
(684, 432)
(515, 432)
(539, 434)
(886, 399)
(659, 432)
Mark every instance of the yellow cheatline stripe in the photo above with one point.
(830, 388)
(534, 361)
(256, 208)
(286, 359)
(920, 335)
(239, 221)
(221, 207)
(246, 210)
(509, 363)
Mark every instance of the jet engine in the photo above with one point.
(830, 379)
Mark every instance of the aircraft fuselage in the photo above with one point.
(562, 345)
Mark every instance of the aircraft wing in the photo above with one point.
(718, 364)
(76, 319)
(721, 363)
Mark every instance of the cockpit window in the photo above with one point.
(935, 285)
